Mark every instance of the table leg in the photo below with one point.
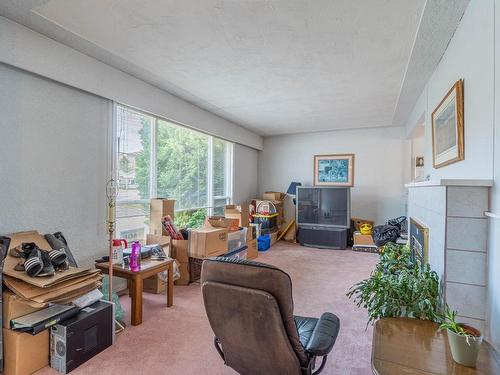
(170, 285)
(129, 287)
(136, 300)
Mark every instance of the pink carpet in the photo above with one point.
(178, 340)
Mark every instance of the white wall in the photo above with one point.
(493, 308)
(54, 161)
(471, 56)
(55, 157)
(33, 52)
(245, 186)
(378, 192)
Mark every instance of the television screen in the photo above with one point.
(327, 206)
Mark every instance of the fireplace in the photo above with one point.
(419, 241)
(448, 230)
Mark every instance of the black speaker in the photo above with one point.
(322, 237)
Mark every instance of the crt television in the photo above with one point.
(324, 206)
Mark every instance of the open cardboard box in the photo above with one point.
(240, 213)
(273, 195)
(230, 224)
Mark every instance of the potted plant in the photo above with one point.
(399, 287)
(464, 340)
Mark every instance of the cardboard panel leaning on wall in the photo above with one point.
(55, 158)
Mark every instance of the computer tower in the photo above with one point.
(322, 237)
(76, 340)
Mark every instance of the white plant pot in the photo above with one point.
(464, 349)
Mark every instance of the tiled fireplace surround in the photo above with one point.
(453, 210)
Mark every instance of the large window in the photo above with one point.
(157, 158)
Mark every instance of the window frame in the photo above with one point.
(228, 176)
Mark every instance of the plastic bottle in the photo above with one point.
(135, 256)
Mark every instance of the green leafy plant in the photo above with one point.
(450, 323)
(399, 286)
(190, 219)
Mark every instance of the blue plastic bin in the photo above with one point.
(264, 242)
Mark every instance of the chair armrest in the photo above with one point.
(324, 335)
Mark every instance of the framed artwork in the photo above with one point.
(448, 128)
(334, 170)
(419, 241)
(419, 168)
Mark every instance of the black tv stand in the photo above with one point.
(322, 237)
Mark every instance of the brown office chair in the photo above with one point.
(250, 309)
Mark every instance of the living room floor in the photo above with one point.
(179, 340)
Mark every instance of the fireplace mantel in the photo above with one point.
(451, 182)
(454, 213)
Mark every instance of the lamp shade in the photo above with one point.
(292, 189)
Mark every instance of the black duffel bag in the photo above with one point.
(399, 222)
(385, 233)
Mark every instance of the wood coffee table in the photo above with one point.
(417, 347)
(135, 280)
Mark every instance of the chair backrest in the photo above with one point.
(250, 309)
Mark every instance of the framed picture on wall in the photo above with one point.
(419, 241)
(334, 170)
(448, 128)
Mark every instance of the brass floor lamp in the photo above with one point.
(111, 194)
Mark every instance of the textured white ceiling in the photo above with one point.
(275, 66)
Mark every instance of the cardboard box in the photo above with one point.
(251, 233)
(363, 239)
(14, 307)
(180, 250)
(163, 241)
(241, 213)
(25, 354)
(158, 209)
(154, 284)
(184, 270)
(274, 237)
(29, 236)
(252, 251)
(207, 242)
(273, 196)
(229, 224)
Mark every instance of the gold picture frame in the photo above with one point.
(334, 170)
(448, 128)
(419, 241)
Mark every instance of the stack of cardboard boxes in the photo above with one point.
(211, 240)
(177, 249)
(25, 353)
(157, 284)
(208, 241)
(242, 214)
(277, 199)
(362, 242)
